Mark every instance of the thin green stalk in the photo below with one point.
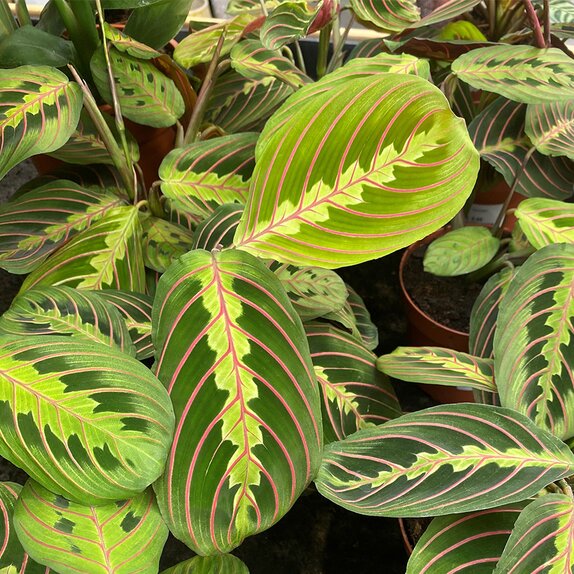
(192, 131)
(7, 22)
(498, 263)
(116, 155)
(299, 56)
(75, 34)
(536, 28)
(565, 488)
(338, 55)
(323, 51)
(22, 13)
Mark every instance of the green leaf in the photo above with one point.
(367, 329)
(36, 223)
(222, 564)
(485, 313)
(39, 110)
(199, 47)
(546, 221)
(470, 543)
(86, 146)
(217, 231)
(313, 291)
(346, 319)
(356, 197)
(520, 73)
(84, 420)
(31, 45)
(542, 539)
(366, 49)
(13, 557)
(125, 43)
(125, 4)
(438, 366)
(498, 134)
(389, 16)
(135, 309)
(253, 61)
(354, 394)
(145, 95)
(233, 355)
(534, 340)
(204, 175)
(142, 24)
(287, 23)
(66, 311)
(382, 63)
(108, 255)
(550, 127)
(443, 460)
(460, 251)
(238, 104)
(163, 242)
(122, 537)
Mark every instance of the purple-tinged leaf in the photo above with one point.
(468, 543)
(204, 175)
(438, 366)
(84, 420)
(485, 313)
(534, 340)
(218, 230)
(542, 539)
(39, 110)
(121, 537)
(288, 22)
(354, 394)
(443, 460)
(498, 134)
(550, 127)
(36, 223)
(233, 355)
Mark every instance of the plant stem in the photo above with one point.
(75, 33)
(337, 58)
(323, 51)
(7, 22)
(497, 227)
(192, 131)
(116, 155)
(565, 488)
(499, 263)
(22, 13)
(536, 28)
(547, 39)
(299, 56)
(86, 21)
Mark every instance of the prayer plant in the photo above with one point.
(183, 358)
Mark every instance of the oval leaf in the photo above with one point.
(355, 395)
(468, 543)
(223, 564)
(217, 231)
(460, 251)
(204, 175)
(551, 127)
(542, 539)
(450, 458)
(287, 23)
(36, 223)
(121, 537)
(82, 419)
(534, 340)
(356, 197)
(367, 329)
(39, 111)
(388, 15)
(66, 311)
(108, 255)
(234, 358)
(546, 221)
(438, 366)
(520, 73)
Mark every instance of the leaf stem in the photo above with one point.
(547, 39)
(338, 55)
(323, 50)
(22, 13)
(299, 56)
(536, 28)
(7, 22)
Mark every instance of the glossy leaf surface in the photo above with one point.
(36, 223)
(550, 127)
(546, 221)
(39, 110)
(354, 394)
(438, 366)
(469, 543)
(450, 458)
(222, 564)
(356, 197)
(460, 251)
(288, 22)
(108, 255)
(542, 539)
(121, 537)
(233, 355)
(204, 175)
(218, 229)
(163, 242)
(534, 340)
(82, 419)
(66, 311)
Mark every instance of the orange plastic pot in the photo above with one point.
(425, 331)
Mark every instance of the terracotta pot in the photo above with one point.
(423, 330)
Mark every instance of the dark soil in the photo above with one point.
(448, 300)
